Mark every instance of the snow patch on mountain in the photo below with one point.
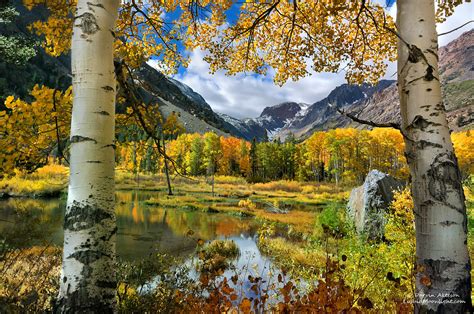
(190, 93)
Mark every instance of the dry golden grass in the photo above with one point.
(292, 256)
(304, 200)
(47, 181)
(287, 186)
(302, 221)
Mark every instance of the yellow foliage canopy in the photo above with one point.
(29, 132)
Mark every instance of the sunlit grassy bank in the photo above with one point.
(47, 181)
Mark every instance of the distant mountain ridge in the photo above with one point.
(291, 117)
(377, 103)
(194, 112)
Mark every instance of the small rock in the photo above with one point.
(275, 210)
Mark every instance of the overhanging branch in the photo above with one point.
(355, 118)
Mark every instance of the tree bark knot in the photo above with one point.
(429, 73)
(79, 138)
(88, 257)
(457, 297)
(421, 123)
(88, 24)
(435, 269)
(415, 54)
(422, 144)
(91, 6)
(444, 173)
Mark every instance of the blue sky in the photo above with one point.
(246, 95)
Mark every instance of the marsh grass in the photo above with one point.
(301, 202)
(216, 256)
(297, 241)
(48, 181)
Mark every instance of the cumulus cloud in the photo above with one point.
(244, 95)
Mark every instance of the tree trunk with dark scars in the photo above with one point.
(88, 281)
(443, 281)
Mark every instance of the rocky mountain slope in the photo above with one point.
(271, 120)
(194, 112)
(18, 80)
(376, 103)
(172, 96)
(456, 63)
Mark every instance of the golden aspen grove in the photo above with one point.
(284, 156)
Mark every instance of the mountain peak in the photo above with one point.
(282, 111)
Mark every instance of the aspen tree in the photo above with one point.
(88, 280)
(443, 281)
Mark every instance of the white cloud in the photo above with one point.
(462, 14)
(246, 95)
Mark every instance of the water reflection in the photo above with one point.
(142, 229)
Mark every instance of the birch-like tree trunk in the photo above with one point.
(88, 282)
(443, 281)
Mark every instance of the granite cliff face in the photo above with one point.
(173, 96)
(457, 59)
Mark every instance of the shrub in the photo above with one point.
(385, 269)
(51, 171)
(215, 257)
(47, 181)
(229, 180)
(248, 204)
(29, 280)
(150, 285)
(332, 221)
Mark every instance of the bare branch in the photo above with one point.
(455, 29)
(355, 118)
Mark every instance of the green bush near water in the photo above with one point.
(332, 219)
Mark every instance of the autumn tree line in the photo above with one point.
(339, 155)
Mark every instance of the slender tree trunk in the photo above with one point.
(443, 281)
(88, 282)
(213, 181)
(167, 171)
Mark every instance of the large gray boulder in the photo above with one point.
(369, 203)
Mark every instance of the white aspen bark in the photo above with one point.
(88, 282)
(443, 281)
